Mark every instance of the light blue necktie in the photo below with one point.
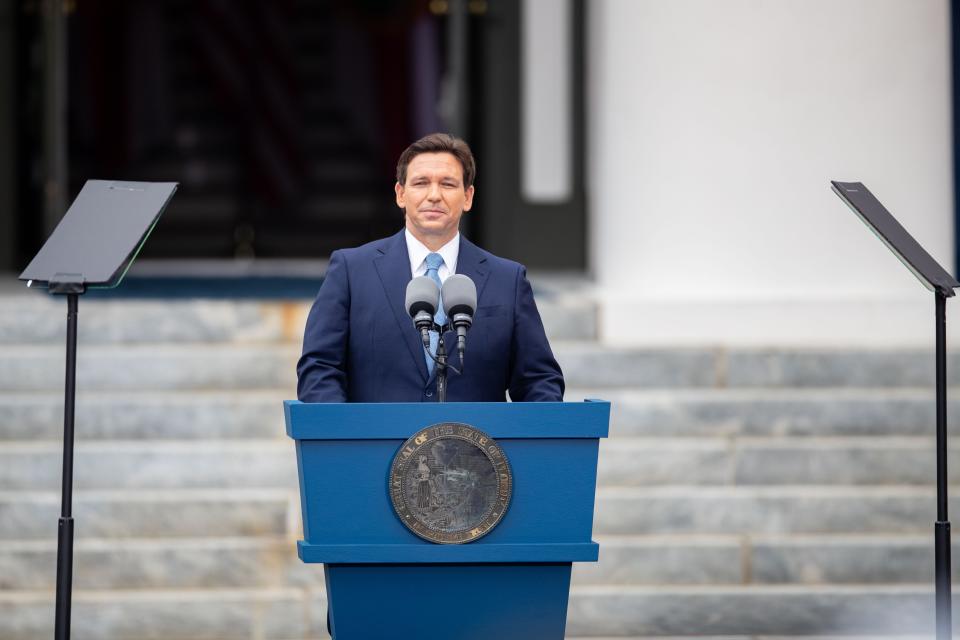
(434, 260)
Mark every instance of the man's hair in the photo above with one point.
(439, 143)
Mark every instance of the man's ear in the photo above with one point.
(468, 201)
(398, 188)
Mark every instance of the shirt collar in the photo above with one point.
(418, 252)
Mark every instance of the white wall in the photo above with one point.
(715, 128)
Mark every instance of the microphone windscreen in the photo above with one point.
(423, 294)
(459, 295)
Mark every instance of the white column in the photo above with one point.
(715, 129)
(546, 167)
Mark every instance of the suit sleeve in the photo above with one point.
(322, 369)
(535, 375)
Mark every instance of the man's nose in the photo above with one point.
(434, 193)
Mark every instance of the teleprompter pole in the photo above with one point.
(937, 279)
(65, 535)
(942, 526)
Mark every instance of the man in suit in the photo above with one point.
(360, 344)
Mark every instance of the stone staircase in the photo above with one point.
(743, 493)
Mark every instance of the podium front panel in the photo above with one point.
(344, 454)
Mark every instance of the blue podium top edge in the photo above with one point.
(379, 421)
(443, 554)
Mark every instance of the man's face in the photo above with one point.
(433, 197)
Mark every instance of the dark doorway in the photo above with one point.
(282, 119)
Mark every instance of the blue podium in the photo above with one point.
(383, 581)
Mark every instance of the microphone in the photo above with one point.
(423, 297)
(459, 297)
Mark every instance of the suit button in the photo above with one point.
(429, 394)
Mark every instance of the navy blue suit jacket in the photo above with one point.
(360, 345)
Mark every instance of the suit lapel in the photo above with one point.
(471, 263)
(393, 267)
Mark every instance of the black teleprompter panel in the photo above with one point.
(897, 239)
(101, 233)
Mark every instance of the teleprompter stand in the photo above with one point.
(942, 284)
(92, 247)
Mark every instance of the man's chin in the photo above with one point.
(434, 220)
(438, 225)
(427, 231)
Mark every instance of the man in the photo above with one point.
(360, 344)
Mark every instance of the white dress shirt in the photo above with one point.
(418, 256)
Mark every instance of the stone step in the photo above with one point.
(665, 560)
(620, 511)
(152, 465)
(844, 559)
(642, 462)
(658, 461)
(758, 559)
(165, 563)
(593, 612)
(154, 513)
(152, 367)
(765, 510)
(260, 562)
(822, 461)
(753, 611)
(41, 319)
(679, 413)
(146, 415)
(198, 563)
(617, 367)
(771, 461)
(200, 614)
(569, 315)
(585, 364)
(697, 413)
(833, 367)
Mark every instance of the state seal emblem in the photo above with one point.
(450, 483)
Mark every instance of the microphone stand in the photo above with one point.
(441, 366)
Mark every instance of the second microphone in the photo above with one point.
(459, 298)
